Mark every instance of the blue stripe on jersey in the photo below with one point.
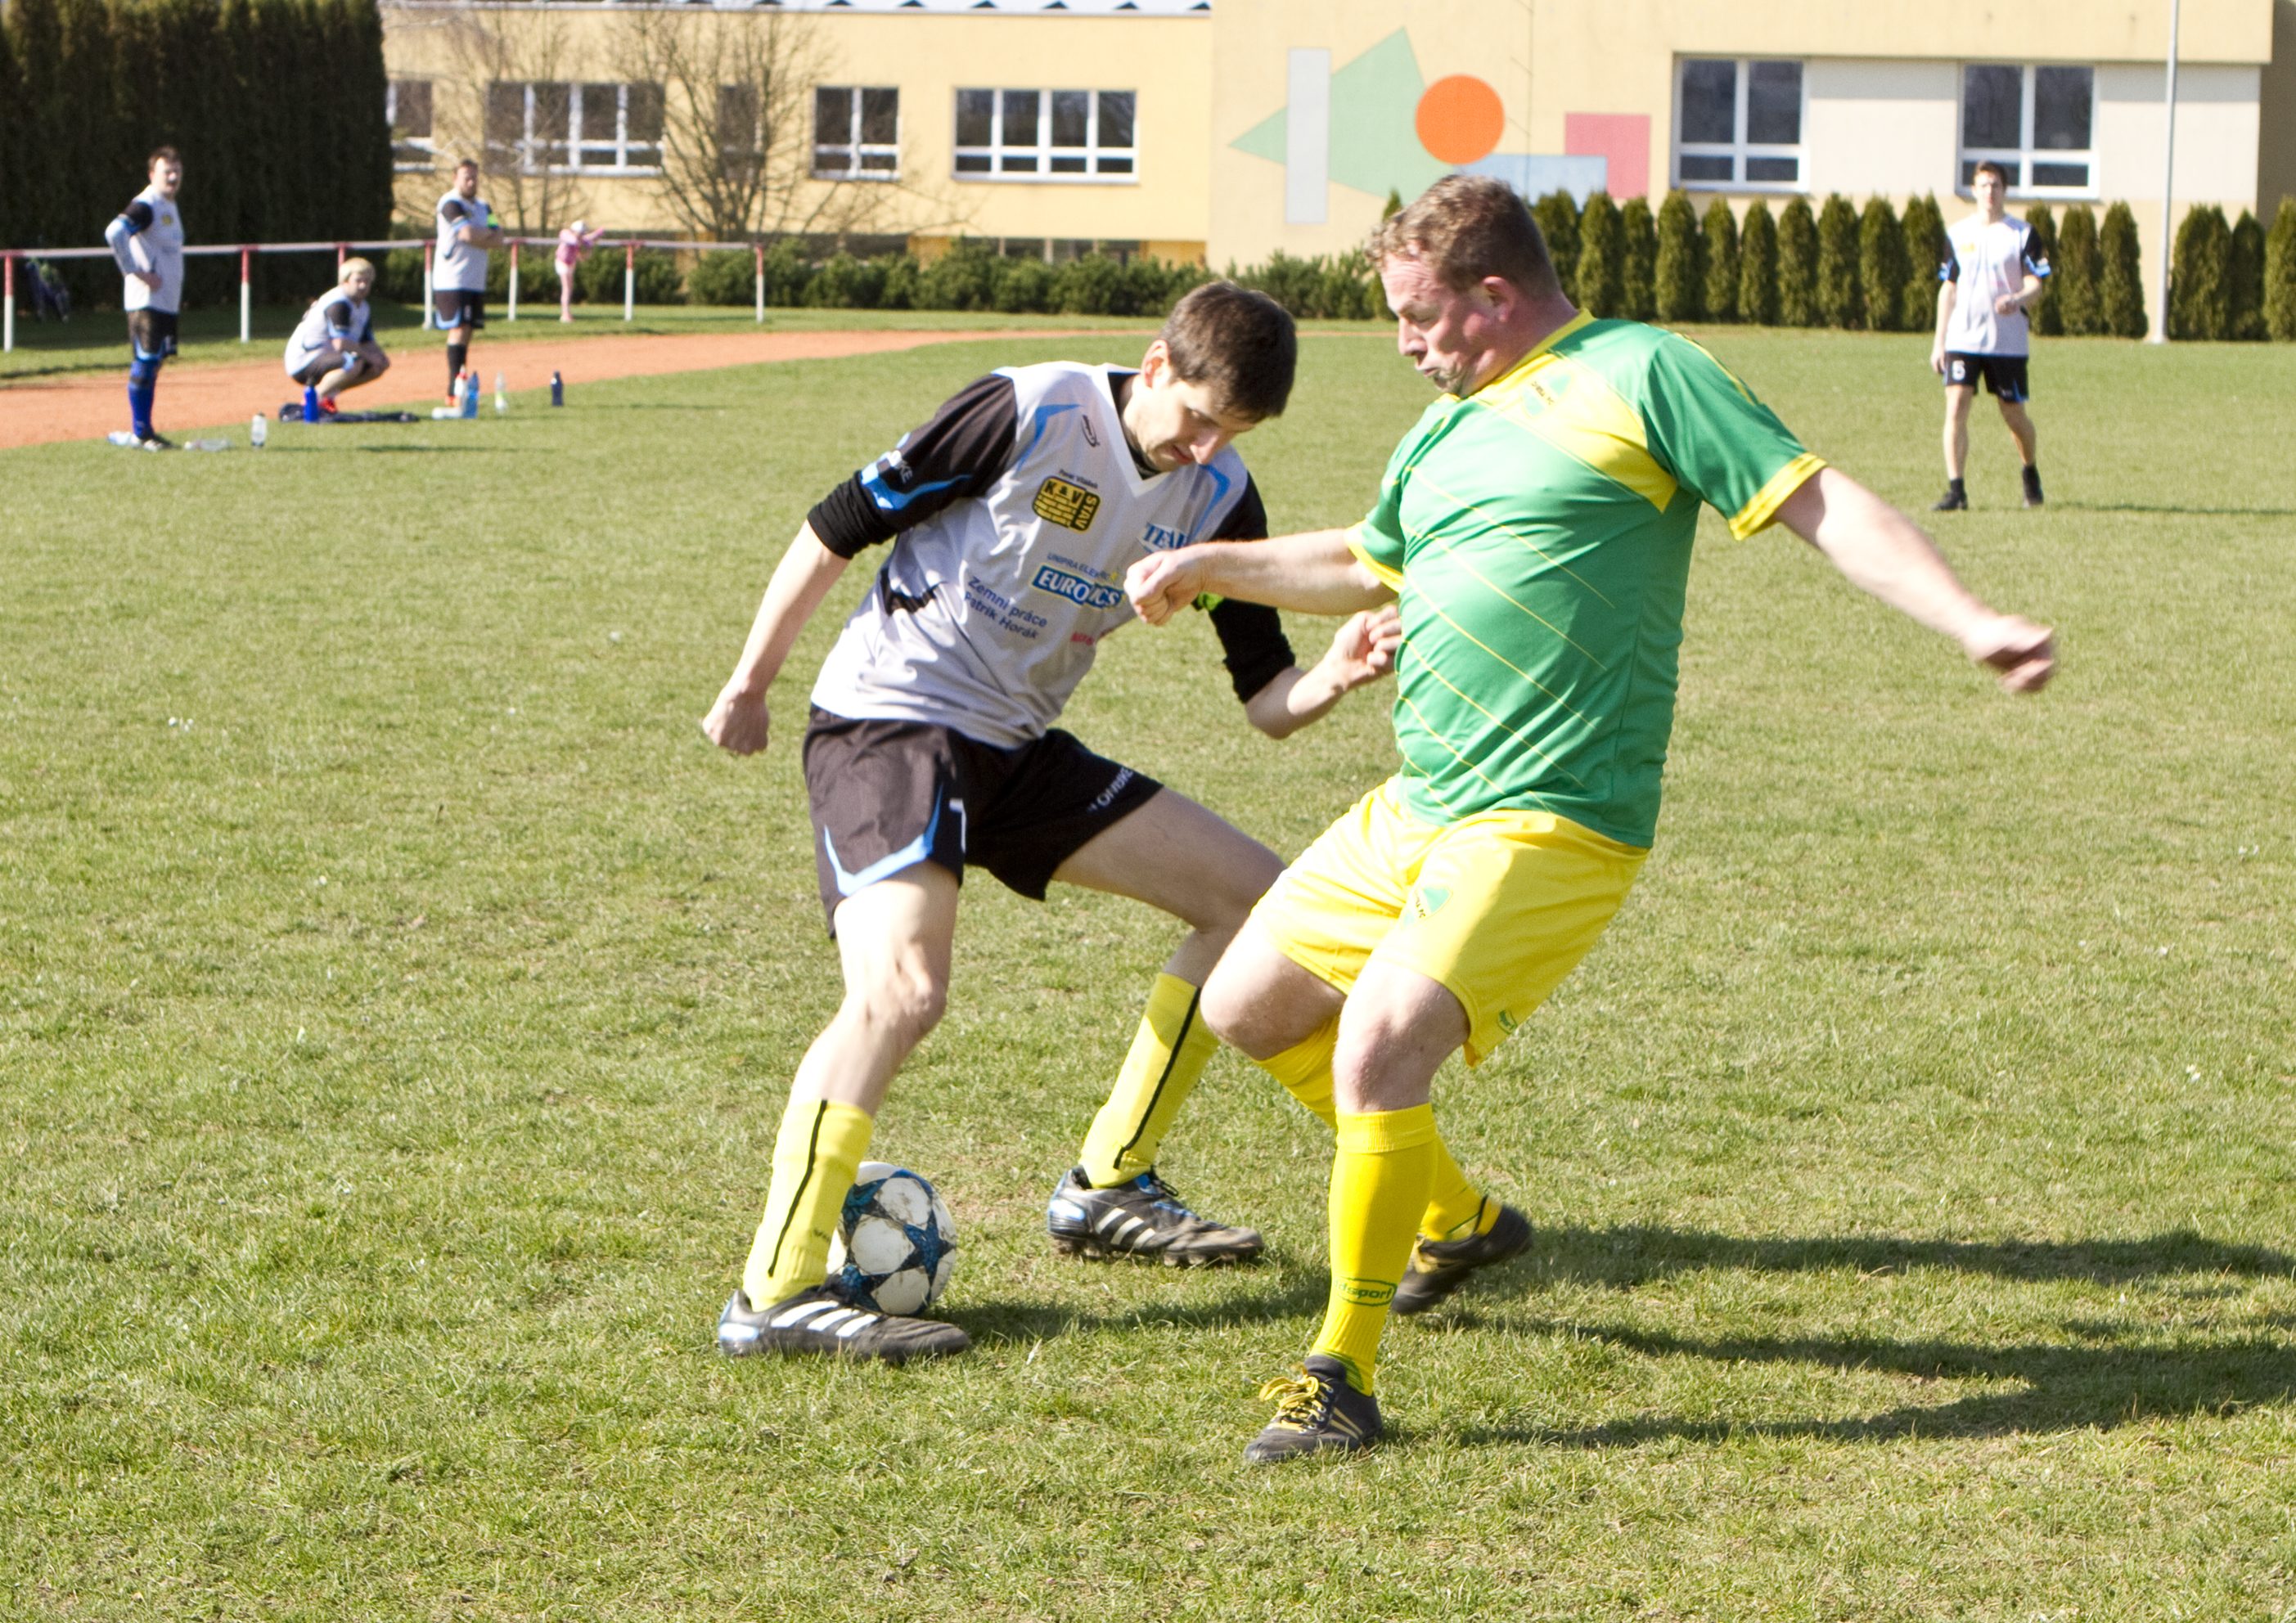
(1044, 414)
(1218, 478)
(887, 498)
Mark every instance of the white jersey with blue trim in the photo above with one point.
(1984, 262)
(148, 235)
(989, 611)
(333, 314)
(459, 267)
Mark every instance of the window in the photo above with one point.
(1738, 124)
(2034, 122)
(1044, 135)
(406, 108)
(856, 132)
(575, 129)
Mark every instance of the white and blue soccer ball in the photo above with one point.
(896, 1241)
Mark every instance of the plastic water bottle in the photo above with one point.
(502, 398)
(310, 405)
(258, 432)
(557, 389)
(470, 393)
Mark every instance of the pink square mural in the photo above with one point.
(1622, 137)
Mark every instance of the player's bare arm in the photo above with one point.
(2013, 304)
(739, 721)
(1362, 650)
(1314, 572)
(1882, 552)
(1946, 292)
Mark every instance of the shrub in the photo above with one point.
(1602, 271)
(1678, 277)
(724, 276)
(1881, 265)
(1758, 267)
(2196, 276)
(1719, 252)
(1797, 265)
(2244, 281)
(2047, 318)
(844, 283)
(1022, 286)
(1347, 291)
(2073, 272)
(2280, 274)
(1637, 260)
(964, 278)
(1924, 232)
(2119, 275)
(1841, 294)
(598, 280)
(1558, 223)
(901, 279)
(398, 276)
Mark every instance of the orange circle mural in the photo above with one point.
(1460, 119)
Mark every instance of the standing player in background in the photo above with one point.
(147, 239)
(458, 269)
(576, 240)
(1013, 514)
(1993, 270)
(333, 346)
(1535, 528)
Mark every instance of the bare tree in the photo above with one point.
(510, 111)
(736, 93)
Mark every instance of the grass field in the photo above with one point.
(397, 992)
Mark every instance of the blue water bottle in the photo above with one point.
(470, 393)
(557, 389)
(310, 403)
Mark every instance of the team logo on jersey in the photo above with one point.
(1159, 539)
(1084, 593)
(1070, 506)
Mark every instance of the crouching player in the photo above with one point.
(333, 348)
(930, 746)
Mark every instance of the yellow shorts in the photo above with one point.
(1498, 908)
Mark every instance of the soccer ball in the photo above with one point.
(896, 1242)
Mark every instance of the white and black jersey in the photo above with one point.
(460, 267)
(1014, 513)
(1984, 262)
(148, 236)
(333, 314)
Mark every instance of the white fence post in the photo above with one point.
(8, 321)
(761, 281)
(246, 294)
(514, 278)
(629, 282)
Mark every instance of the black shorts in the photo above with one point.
(456, 308)
(152, 333)
(888, 795)
(318, 367)
(2003, 374)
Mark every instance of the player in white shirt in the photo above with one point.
(458, 269)
(932, 754)
(1993, 273)
(333, 346)
(147, 240)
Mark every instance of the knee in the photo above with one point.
(380, 364)
(904, 1008)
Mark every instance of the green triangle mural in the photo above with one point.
(1374, 135)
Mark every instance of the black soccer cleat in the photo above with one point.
(1441, 1266)
(2032, 478)
(1952, 501)
(155, 441)
(1316, 1411)
(822, 1321)
(1141, 1218)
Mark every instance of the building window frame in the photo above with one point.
(1068, 142)
(863, 159)
(1752, 166)
(568, 149)
(412, 151)
(2026, 157)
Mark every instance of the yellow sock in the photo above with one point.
(1168, 1055)
(1379, 1185)
(815, 1154)
(1456, 1207)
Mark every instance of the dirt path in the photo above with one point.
(44, 410)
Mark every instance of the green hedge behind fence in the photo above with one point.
(276, 105)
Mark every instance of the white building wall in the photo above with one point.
(2217, 129)
(1886, 127)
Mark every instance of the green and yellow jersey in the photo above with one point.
(1539, 533)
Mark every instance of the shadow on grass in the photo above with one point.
(1299, 1293)
(2207, 512)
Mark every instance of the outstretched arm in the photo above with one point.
(1314, 573)
(738, 720)
(1363, 650)
(1882, 552)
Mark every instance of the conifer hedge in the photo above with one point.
(1638, 278)
(1923, 225)
(2074, 272)
(1758, 267)
(2047, 318)
(1678, 277)
(2280, 274)
(2244, 280)
(2197, 274)
(1840, 295)
(276, 105)
(2120, 275)
(1602, 257)
(1797, 264)
(1881, 266)
(1719, 252)
(1558, 222)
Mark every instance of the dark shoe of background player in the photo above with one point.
(1954, 500)
(1441, 1266)
(2032, 487)
(1316, 1411)
(821, 1321)
(1141, 1218)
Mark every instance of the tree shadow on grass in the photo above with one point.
(1298, 1294)
(2178, 511)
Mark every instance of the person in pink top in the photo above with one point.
(573, 242)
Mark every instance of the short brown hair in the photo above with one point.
(1238, 343)
(2000, 172)
(471, 164)
(1465, 228)
(161, 154)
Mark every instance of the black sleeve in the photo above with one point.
(1949, 267)
(453, 212)
(339, 314)
(958, 454)
(138, 214)
(1251, 634)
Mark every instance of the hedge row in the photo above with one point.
(276, 105)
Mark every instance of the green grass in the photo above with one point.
(396, 995)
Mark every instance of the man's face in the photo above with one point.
(358, 283)
(167, 176)
(1173, 422)
(1453, 337)
(466, 182)
(1987, 189)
